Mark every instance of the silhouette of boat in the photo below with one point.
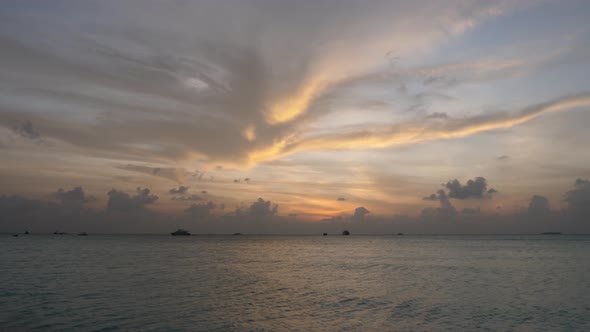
(325, 234)
(83, 234)
(15, 235)
(27, 233)
(400, 233)
(237, 233)
(551, 233)
(180, 232)
(346, 232)
(59, 233)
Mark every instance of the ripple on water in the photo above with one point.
(268, 283)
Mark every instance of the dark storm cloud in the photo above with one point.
(539, 206)
(578, 199)
(178, 191)
(201, 210)
(475, 188)
(74, 198)
(122, 201)
(360, 213)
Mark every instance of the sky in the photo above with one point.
(263, 116)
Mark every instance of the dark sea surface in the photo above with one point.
(295, 283)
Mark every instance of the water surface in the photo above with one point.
(298, 283)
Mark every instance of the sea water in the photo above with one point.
(294, 283)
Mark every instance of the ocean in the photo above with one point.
(294, 283)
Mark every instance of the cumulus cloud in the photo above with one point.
(74, 198)
(201, 210)
(260, 208)
(360, 213)
(122, 201)
(578, 199)
(179, 191)
(445, 209)
(475, 188)
(539, 206)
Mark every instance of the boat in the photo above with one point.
(346, 232)
(59, 233)
(400, 233)
(180, 232)
(237, 233)
(551, 233)
(83, 234)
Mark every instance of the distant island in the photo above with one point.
(180, 232)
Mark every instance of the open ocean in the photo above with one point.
(294, 283)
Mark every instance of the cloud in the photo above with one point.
(578, 199)
(539, 206)
(179, 191)
(437, 115)
(26, 129)
(231, 93)
(475, 188)
(360, 213)
(471, 211)
(503, 157)
(74, 198)
(412, 133)
(260, 208)
(201, 210)
(432, 197)
(187, 198)
(445, 210)
(174, 174)
(122, 201)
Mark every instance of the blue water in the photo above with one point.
(295, 283)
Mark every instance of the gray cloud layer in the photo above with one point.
(127, 213)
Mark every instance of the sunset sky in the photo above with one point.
(258, 114)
